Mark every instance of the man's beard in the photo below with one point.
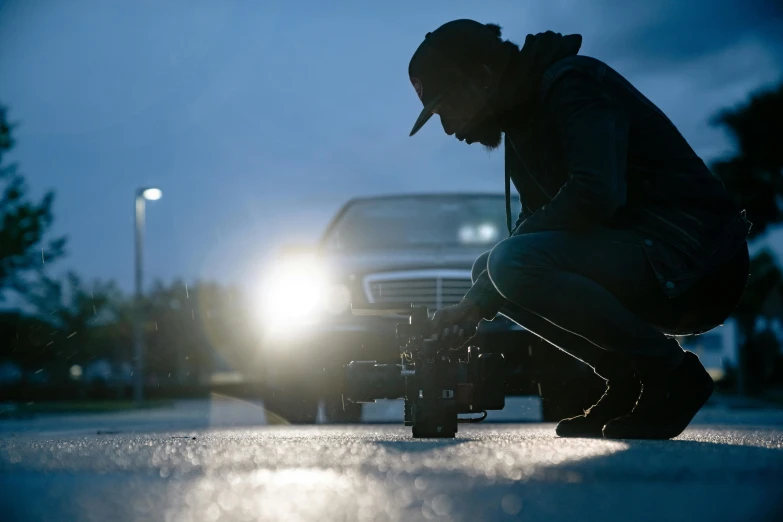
(487, 132)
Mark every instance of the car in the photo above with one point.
(413, 249)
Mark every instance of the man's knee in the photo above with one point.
(479, 266)
(497, 263)
(514, 260)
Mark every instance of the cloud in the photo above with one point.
(665, 33)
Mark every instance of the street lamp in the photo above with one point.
(142, 195)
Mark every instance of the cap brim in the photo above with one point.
(426, 114)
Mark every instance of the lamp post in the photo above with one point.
(142, 195)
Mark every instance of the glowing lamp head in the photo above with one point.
(152, 194)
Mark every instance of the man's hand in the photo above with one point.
(456, 324)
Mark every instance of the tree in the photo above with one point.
(23, 223)
(762, 298)
(191, 328)
(754, 175)
(82, 321)
(25, 340)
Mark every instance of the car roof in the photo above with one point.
(424, 195)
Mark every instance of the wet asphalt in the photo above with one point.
(724, 467)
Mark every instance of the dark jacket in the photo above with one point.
(594, 152)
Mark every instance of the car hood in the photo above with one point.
(361, 263)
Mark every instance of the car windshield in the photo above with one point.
(423, 221)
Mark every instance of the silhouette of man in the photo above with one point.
(625, 238)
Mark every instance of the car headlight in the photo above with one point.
(297, 293)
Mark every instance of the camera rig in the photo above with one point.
(437, 382)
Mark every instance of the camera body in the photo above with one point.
(437, 382)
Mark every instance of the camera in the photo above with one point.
(437, 383)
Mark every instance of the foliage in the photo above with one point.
(188, 330)
(762, 294)
(754, 175)
(23, 223)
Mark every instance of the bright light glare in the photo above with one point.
(337, 299)
(152, 194)
(484, 233)
(487, 232)
(467, 234)
(294, 294)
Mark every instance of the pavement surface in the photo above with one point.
(221, 460)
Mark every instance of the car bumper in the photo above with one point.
(310, 358)
(359, 338)
(313, 356)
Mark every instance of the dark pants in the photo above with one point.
(596, 297)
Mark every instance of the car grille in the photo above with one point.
(431, 289)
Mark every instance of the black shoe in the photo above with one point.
(618, 400)
(667, 404)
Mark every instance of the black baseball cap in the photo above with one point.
(438, 64)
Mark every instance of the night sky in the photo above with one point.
(258, 119)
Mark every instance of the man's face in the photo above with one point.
(465, 113)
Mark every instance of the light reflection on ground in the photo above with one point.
(378, 472)
(366, 477)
